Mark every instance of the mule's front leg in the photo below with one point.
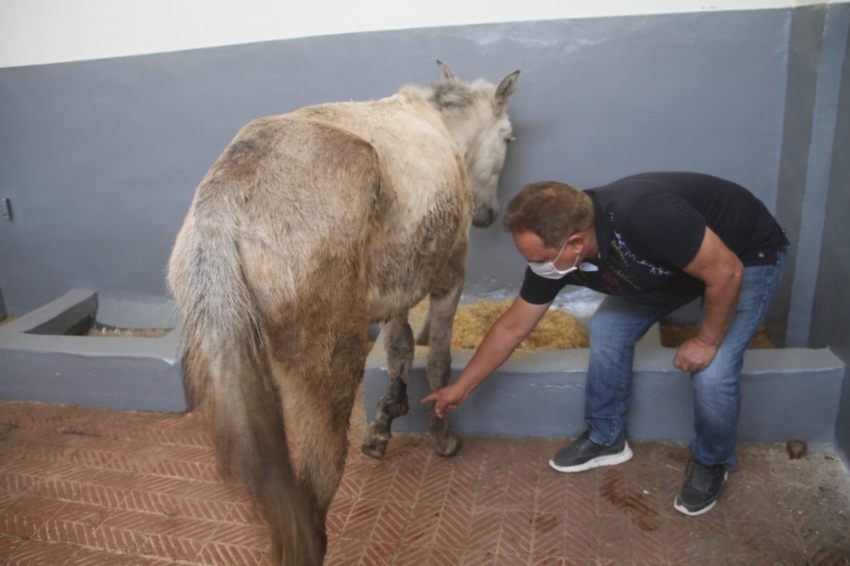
(398, 341)
(441, 314)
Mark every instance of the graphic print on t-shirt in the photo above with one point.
(622, 272)
(632, 258)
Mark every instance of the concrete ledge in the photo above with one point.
(786, 392)
(40, 363)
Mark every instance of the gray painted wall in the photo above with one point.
(810, 178)
(100, 158)
(803, 55)
(814, 191)
(831, 311)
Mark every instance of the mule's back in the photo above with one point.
(297, 196)
(423, 207)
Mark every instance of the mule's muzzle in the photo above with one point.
(483, 217)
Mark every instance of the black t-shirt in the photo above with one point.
(650, 226)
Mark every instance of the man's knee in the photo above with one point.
(722, 376)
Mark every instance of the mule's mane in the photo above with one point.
(449, 94)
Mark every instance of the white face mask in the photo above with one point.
(548, 269)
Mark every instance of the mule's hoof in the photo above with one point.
(375, 449)
(448, 446)
(375, 439)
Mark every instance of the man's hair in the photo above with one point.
(552, 210)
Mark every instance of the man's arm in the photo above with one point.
(501, 340)
(722, 272)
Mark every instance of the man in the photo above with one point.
(653, 242)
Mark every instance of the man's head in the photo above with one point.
(554, 211)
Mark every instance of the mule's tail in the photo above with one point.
(228, 370)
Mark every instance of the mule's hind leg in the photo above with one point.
(319, 396)
(441, 312)
(398, 341)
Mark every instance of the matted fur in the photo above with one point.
(308, 227)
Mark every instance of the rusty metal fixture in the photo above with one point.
(796, 447)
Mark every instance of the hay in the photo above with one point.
(556, 331)
(102, 331)
(673, 335)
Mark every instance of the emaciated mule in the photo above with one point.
(309, 227)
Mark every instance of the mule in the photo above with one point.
(309, 227)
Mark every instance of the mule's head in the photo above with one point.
(477, 118)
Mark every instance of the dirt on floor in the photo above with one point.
(814, 490)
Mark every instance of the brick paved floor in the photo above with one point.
(83, 486)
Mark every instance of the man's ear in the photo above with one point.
(576, 242)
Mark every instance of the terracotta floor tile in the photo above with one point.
(391, 522)
(85, 486)
(8, 545)
(244, 512)
(40, 553)
(485, 530)
(517, 533)
(548, 559)
(215, 552)
(478, 558)
(175, 547)
(452, 528)
(379, 553)
(75, 523)
(548, 534)
(421, 526)
(26, 515)
(345, 551)
(404, 485)
(127, 531)
(237, 534)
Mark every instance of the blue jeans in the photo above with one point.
(621, 321)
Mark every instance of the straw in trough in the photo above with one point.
(557, 330)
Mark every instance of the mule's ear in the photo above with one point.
(447, 73)
(505, 90)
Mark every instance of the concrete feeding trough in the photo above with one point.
(786, 392)
(117, 354)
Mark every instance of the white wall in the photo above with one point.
(34, 32)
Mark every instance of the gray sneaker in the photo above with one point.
(701, 489)
(584, 454)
